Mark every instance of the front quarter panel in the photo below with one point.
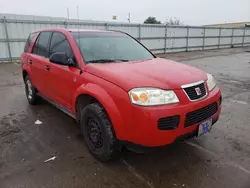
(114, 100)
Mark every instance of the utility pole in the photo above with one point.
(128, 17)
(77, 13)
(68, 13)
(78, 24)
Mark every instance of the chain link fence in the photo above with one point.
(14, 31)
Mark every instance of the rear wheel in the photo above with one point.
(30, 91)
(98, 133)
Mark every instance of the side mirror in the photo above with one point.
(60, 58)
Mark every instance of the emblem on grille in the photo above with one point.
(198, 91)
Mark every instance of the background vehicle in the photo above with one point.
(117, 89)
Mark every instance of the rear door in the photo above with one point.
(62, 79)
(25, 57)
(38, 60)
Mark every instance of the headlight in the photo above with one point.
(152, 96)
(211, 83)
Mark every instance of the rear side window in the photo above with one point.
(41, 46)
(28, 42)
(59, 43)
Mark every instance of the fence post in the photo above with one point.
(139, 32)
(243, 39)
(232, 37)
(203, 40)
(165, 39)
(65, 24)
(106, 26)
(219, 38)
(187, 38)
(7, 38)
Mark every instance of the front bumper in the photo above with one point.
(144, 129)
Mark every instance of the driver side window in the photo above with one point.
(59, 43)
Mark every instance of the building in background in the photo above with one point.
(236, 24)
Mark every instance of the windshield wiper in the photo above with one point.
(106, 60)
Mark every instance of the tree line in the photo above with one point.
(171, 21)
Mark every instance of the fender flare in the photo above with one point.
(27, 69)
(105, 100)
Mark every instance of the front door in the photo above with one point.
(62, 79)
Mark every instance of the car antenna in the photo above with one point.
(78, 30)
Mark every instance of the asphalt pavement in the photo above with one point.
(218, 159)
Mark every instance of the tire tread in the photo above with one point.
(114, 148)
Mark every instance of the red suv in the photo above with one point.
(117, 90)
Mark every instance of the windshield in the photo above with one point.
(105, 47)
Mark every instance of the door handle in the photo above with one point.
(30, 61)
(47, 67)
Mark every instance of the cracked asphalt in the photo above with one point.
(216, 160)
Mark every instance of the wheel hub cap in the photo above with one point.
(29, 89)
(94, 132)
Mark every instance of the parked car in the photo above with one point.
(117, 90)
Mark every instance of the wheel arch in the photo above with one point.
(25, 73)
(90, 93)
(81, 101)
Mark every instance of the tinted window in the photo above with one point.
(110, 46)
(30, 38)
(59, 43)
(41, 45)
(35, 47)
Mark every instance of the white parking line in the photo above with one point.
(17, 64)
(200, 148)
(136, 174)
(237, 101)
(228, 163)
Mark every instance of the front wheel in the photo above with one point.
(30, 91)
(98, 133)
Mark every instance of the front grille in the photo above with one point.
(200, 115)
(196, 92)
(169, 123)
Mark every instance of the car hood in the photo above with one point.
(156, 73)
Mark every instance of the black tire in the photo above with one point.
(98, 133)
(31, 95)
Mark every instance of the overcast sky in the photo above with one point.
(191, 12)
